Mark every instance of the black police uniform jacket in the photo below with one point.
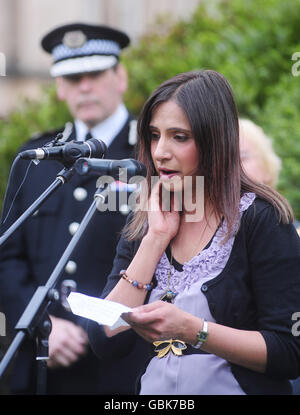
(29, 257)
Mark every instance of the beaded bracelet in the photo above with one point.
(147, 287)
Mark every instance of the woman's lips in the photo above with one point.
(167, 173)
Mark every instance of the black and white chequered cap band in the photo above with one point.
(90, 47)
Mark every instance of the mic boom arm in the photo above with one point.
(35, 317)
(62, 177)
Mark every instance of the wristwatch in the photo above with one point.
(202, 335)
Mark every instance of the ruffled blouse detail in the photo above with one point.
(208, 263)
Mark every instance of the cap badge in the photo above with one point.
(74, 39)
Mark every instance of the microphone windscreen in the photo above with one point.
(99, 148)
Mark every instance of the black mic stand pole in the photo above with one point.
(62, 177)
(35, 320)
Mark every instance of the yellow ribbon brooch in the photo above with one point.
(163, 347)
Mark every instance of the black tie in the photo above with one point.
(88, 136)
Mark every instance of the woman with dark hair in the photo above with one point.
(213, 294)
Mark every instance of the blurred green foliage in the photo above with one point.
(32, 117)
(250, 42)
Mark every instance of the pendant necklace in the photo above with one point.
(169, 295)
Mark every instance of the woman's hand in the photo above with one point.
(163, 321)
(159, 321)
(163, 223)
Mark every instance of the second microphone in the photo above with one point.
(118, 169)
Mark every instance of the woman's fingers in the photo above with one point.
(153, 321)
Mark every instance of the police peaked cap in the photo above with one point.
(80, 48)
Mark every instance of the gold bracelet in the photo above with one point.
(135, 283)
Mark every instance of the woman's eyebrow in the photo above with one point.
(172, 129)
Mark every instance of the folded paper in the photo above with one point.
(104, 312)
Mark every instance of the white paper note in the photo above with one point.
(102, 311)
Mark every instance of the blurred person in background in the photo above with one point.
(259, 159)
(91, 80)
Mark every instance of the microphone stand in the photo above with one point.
(62, 177)
(35, 320)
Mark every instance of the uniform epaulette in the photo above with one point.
(51, 133)
(66, 131)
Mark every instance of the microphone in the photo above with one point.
(119, 169)
(67, 152)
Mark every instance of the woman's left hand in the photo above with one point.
(158, 321)
(163, 321)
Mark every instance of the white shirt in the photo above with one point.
(106, 130)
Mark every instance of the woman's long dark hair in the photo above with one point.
(207, 100)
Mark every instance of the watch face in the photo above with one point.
(202, 336)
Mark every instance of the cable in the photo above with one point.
(3, 220)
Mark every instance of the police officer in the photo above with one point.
(92, 81)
